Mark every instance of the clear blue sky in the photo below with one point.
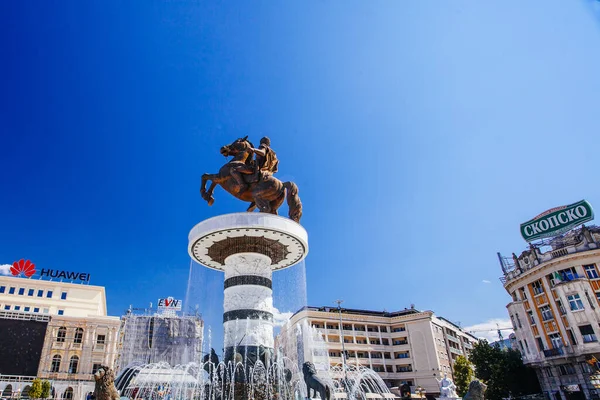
(421, 133)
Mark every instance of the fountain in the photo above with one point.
(248, 248)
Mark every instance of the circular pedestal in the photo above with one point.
(248, 247)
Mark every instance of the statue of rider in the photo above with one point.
(266, 159)
(265, 164)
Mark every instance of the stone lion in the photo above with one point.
(314, 382)
(105, 384)
(476, 391)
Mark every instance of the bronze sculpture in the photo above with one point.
(252, 180)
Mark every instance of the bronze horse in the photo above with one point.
(261, 189)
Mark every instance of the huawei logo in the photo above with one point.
(23, 266)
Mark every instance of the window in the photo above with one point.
(561, 308)
(575, 302)
(571, 337)
(523, 294)
(568, 274)
(566, 369)
(11, 290)
(26, 309)
(537, 287)
(526, 345)
(78, 335)
(546, 313)
(96, 367)
(49, 294)
(40, 293)
(540, 344)
(531, 318)
(30, 292)
(21, 291)
(549, 372)
(62, 334)
(55, 363)
(100, 339)
(46, 311)
(61, 312)
(586, 368)
(518, 320)
(73, 364)
(37, 309)
(7, 308)
(553, 279)
(590, 271)
(588, 333)
(2, 289)
(17, 308)
(555, 340)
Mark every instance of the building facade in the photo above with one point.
(159, 337)
(555, 310)
(404, 347)
(58, 331)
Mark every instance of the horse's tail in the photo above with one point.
(293, 201)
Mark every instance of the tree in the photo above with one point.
(503, 371)
(36, 389)
(45, 389)
(463, 375)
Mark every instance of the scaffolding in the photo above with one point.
(150, 337)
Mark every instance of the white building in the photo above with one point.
(404, 347)
(53, 330)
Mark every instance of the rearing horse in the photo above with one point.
(260, 189)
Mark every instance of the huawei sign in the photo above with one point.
(25, 267)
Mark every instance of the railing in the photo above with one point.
(554, 352)
(568, 247)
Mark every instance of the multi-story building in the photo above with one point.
(157, 336)
(555, 310)
(57, 331)
(404, 347)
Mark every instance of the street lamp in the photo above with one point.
(339, 303)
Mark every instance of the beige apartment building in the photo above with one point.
(555, 310)
(409, 346)
(54, 330)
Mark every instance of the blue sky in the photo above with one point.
(420, 133)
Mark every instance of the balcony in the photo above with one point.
(554, 352)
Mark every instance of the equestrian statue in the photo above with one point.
(251, 179)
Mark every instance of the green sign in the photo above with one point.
(557, 220)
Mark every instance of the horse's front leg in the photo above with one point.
(207, 195)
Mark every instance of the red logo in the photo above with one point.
(24, 266)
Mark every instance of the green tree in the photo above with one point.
(36, 389)
(463, 375)
(45, 389)
(503, 371)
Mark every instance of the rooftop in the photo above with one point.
(577, 240)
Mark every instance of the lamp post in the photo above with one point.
(339, 303)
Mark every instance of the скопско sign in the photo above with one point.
(557, 220)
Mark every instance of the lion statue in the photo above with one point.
(105, 384)
(476, 391)
(314, 382)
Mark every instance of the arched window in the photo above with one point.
(68, 394)
(7, 393)
(78, 335)
(73, 364)
(62, 334)
(55, 363)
